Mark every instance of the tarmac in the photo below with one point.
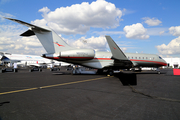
(58, 95)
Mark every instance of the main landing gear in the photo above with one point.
(158, 71)
(108, 72)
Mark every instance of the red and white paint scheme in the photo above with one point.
(58, 49)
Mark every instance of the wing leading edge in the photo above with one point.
(116, 51)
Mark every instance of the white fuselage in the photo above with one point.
(103, 60)
(58, 49)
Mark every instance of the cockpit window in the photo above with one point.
(160, 57)
(7, 53)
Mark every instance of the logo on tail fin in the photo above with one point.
(58, 44)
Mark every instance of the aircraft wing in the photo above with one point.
(119, 57)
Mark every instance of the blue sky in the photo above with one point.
(143, 26)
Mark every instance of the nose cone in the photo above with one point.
(164, 62)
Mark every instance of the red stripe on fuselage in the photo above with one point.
(78, 57)
(157, 62)
(70, 57)
(102, 58)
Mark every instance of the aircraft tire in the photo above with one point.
(110, 72)
(1, 71)
(72, 72)
(15, 70)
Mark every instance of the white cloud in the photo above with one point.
(152, 21)
(125, 11)
(161, 32)
(172, 48)
(44, 10)
(19, 46)
(97, 43)
(41, 22)
(136, 31)
(123, 49)
(32, 42)
(175, 30)
(4, 15)
(13, 43)
(10, 41)
(103, 33)
(78, 18)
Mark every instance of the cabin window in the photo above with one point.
(142, 57)
(135, 57)
(146, 57)
(132, 57)
(139, 57)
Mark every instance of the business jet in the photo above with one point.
(58, 49)
(27, 60)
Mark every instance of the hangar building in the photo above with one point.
(173, 62)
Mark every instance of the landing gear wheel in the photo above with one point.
(110, 72)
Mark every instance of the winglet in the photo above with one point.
(116, 51)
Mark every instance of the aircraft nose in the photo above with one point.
(165, 63)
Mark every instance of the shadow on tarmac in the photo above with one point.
(2, 103)
(127, 78)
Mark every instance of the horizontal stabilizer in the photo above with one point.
(28, 33)
(29, 25)
(116, 51)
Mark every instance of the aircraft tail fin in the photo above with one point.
(51, 42)
(116, 51)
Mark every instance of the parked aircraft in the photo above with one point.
(58, 49)
(27, 60)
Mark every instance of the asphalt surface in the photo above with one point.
(60, 96)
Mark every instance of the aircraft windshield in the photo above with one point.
(7, 53)
(160, 57)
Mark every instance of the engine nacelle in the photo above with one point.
(55, 55)
(78, 54)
